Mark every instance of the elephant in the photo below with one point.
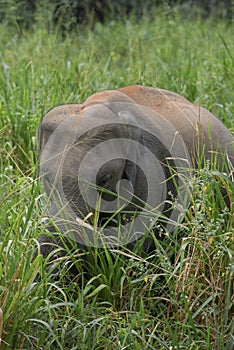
(112, 165)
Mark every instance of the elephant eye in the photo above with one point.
(104, 180)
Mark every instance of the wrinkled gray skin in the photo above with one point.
(163, 122)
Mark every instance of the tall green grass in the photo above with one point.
(179, 297)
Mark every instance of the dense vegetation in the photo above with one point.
(180, 297)
(24, 14)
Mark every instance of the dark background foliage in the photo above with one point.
(66, 14)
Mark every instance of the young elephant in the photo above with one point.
(112, 165)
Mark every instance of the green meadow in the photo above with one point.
(181, 295)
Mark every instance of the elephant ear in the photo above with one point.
(133, 132)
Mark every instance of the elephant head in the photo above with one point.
(119, 159)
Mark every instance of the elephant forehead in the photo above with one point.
(109, 121)
(107, 96)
